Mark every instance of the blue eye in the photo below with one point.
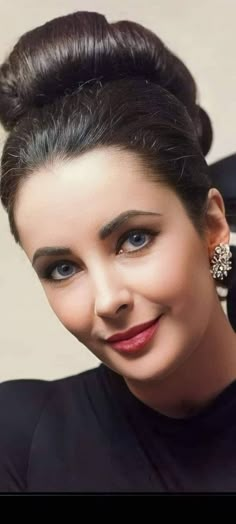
(139, 239)
(63, 269)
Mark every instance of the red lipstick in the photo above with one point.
(135, 338)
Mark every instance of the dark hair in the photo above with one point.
(78, 82)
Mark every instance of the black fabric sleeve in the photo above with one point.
(21, 404)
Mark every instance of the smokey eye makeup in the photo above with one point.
(131, 243)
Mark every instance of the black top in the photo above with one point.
(89, 433)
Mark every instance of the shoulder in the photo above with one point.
(18, 389)
(22, 400)
(22, 404)
(26, 397)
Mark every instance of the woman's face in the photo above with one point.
(153, 262)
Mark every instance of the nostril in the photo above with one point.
(124, 306)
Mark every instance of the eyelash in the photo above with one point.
(47, 273)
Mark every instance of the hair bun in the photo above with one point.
(80, 48)
(204, 130)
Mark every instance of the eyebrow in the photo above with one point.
(103, 233)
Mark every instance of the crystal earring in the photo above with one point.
(221, 262)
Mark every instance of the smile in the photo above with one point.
(136, 342)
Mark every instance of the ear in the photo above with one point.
(217, 228)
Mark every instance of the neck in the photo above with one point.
(201, 378)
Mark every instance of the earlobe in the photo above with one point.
(221, 261)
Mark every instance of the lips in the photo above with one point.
(132, 332)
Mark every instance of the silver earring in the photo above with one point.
(221, 262)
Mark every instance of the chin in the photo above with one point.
(142, 369)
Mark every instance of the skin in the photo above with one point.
(192, 356)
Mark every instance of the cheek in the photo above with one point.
(178, 278)
(72, 307)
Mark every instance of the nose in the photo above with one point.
(112, 296)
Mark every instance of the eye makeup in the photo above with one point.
(46, 271)
(106, 231)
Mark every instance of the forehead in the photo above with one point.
(84, 193)
(91, 173)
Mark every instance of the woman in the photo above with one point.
(107, 190)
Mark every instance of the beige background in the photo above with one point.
(202, 32)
